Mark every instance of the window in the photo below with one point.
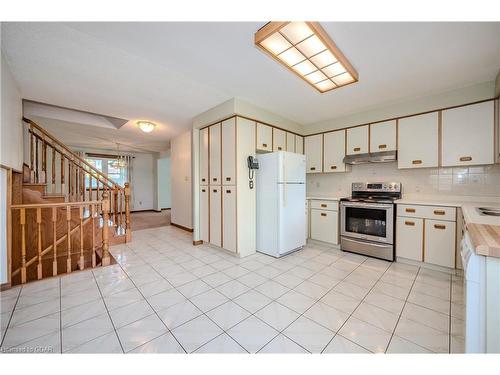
(109, 167)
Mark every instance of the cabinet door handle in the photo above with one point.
(215, 190)
(411, 223)
(228, 191)
(202, 180)
(439, 212)
(214, 179)
(382, 146)
(333, 167)
(356, 149)
(418, 161)
(412, 210)
(228, 178)
(203, 190)
(439, 226)
(264, 145)
(279, 148)
(323, 214)
(312, 168)
(465, 158)
(324, 205)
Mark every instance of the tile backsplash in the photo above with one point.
(458, 181)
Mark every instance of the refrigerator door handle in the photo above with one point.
(284, 180)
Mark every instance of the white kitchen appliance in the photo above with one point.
(281, 197)
(482, 300)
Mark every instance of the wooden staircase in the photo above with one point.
(63, 213)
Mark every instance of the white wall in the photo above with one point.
(11, 130)
(181, 204)
(164, 182)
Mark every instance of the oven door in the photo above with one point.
(368, 221)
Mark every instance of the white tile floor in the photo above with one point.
(166, 295)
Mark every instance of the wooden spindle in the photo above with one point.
(44, 162)
(82, 183)
(115, 206)
(121, 197)
(68, 222)
(93, 213)
(82, 262)
(53, 169)
(105, 234)
(54, 239)
(39, 230)
(37, 176)
(22, 219)
(63, 166)
(70, 188)
(32, 154)
(128, 232)
(90, 187)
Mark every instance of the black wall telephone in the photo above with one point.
(252, 165)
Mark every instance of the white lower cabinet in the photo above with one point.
(324, 225)
(409, 238)
(229, 218)
(204, 212)
(215, 216)
(440, 243)
(420, 237)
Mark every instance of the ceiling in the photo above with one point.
(170, 72)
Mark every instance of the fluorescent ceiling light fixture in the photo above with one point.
(306, 50)
(146, 126)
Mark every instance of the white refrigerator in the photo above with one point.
(281, 203)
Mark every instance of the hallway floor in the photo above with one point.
(149, 219)
(166, 295)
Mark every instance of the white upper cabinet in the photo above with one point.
(357, 140)
(334, 151)
(279, 140)
(383, 136)
(314, 153)
(418, 141)
(468, 135)
(264, 137)
(229, 151)
(299, 144)
(215, 154)
(204, 156)
(290, 142)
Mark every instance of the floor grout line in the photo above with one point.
(178, 245)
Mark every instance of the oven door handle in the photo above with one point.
(367, 205)
(365, 242)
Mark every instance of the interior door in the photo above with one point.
(291, 216)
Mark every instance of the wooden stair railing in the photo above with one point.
(49, 239)
(78, 180)
(77, 242)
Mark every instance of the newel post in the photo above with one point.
(128, 232)
(105, 228)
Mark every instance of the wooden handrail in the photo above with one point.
(47, 205)
(74, 155)
(96, 173)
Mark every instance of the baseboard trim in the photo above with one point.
(182, 227)
(196, 243)
(5, 286)
(148, 210)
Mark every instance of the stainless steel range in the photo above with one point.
(368, 219)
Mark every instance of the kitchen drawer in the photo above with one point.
(325, 205)
(427, 212)
(324, 226)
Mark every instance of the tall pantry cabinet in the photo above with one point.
(227, 204)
